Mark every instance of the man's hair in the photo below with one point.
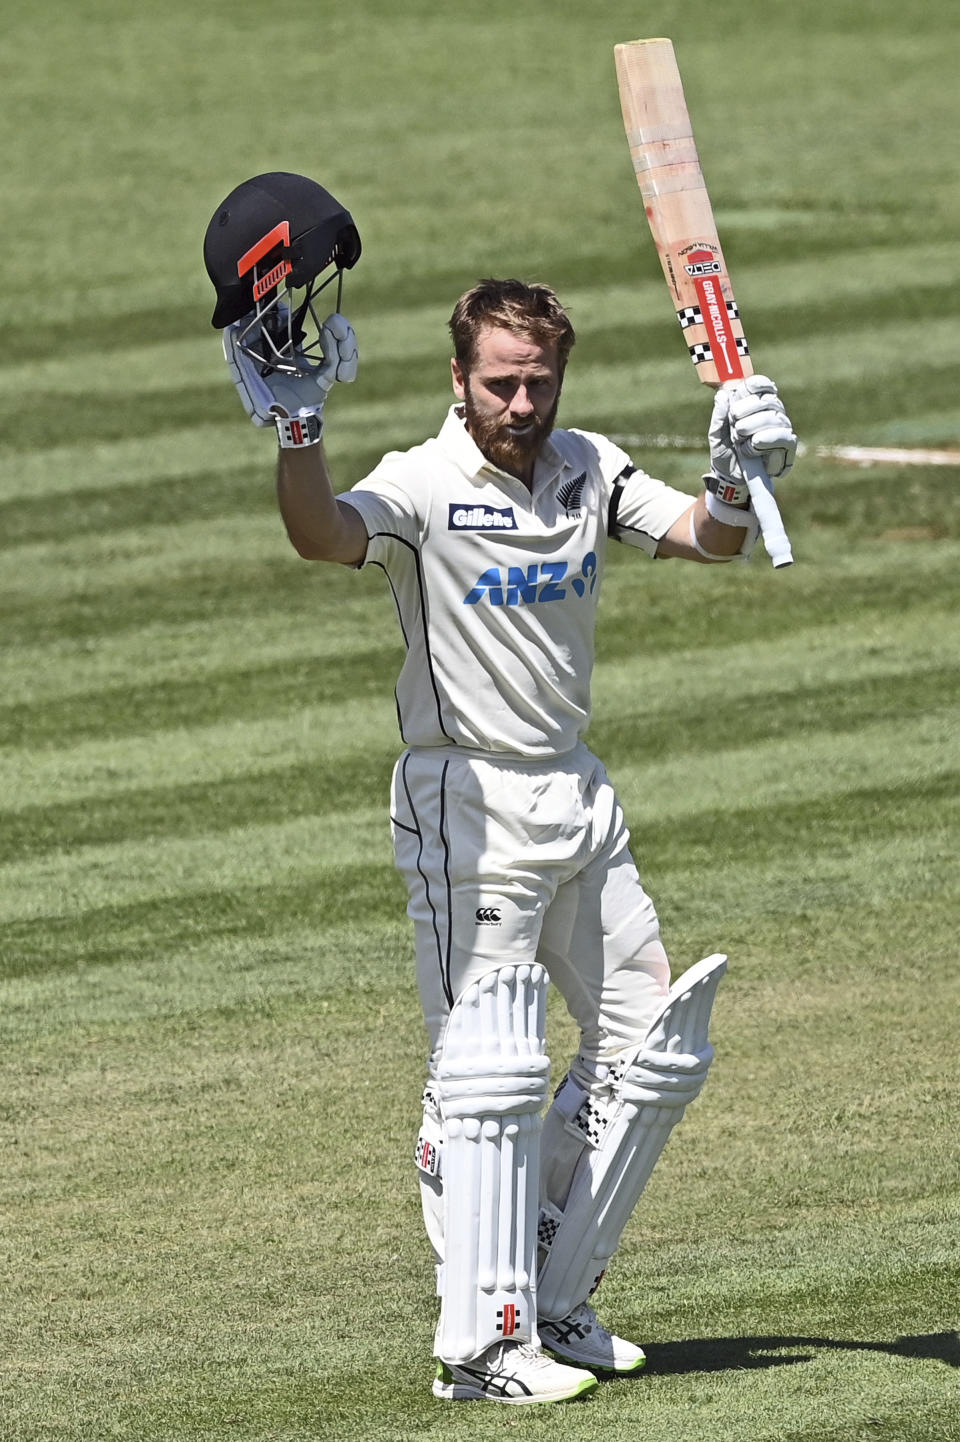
(513, 305)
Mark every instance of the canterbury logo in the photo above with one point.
(488, 916)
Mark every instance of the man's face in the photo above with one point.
(510, 394)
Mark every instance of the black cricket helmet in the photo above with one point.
(273, 236)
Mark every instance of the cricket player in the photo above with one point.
(493, 536)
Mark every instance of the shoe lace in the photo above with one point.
(500, 1355)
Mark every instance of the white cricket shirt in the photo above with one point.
(496, 587)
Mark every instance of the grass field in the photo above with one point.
(211, 1046)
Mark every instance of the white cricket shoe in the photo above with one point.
(578, 1337)
(513, 1372)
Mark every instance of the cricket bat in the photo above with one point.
(681, 220)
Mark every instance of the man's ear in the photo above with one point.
(459, 389)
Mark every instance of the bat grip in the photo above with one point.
(766, 510)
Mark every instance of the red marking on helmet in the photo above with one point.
(273, 277)
(279, 235)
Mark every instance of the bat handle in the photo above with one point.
(766, 511)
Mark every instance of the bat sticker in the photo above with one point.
(693, 315)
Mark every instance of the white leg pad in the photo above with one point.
(491, 1085)
(603, 1139)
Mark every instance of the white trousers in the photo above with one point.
(510, 861)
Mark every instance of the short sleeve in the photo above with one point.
(389, 511)
(643, 509)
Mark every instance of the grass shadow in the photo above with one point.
(722, 1354)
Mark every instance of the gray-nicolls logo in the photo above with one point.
(570, 494)
(488, 916)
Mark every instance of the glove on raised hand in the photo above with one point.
(294, 403)
(749, 419)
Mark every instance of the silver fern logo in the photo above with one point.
(570, 494)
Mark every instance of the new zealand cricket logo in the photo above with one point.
(570, 494)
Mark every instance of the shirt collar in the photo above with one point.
(467, 455)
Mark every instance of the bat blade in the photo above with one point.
(680, 216)
(667, 167)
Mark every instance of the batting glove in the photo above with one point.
(749, 419)
(293, 403)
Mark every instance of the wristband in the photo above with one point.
(726, 514)
(296, 431)
(732, 493)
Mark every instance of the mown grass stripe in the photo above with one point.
(98, 511)
(869, 500)
(625, 721)
(227, 955)
(160, 342)
(222, 693)
(180, 653)
(253, 798)
(317, 734)
(61, 569)
(240, 920)
(136, 924)
(841, 821)
(68, 884)
(201, 579)
(598, 391)
(604, 395)
(200, 444)
(698, 684)
(208, 592)
(312, 786)
(905, 750)
(908, 752)
(829, 709)
(596, 398)
(198, 450)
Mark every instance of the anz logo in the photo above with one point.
(533, 585)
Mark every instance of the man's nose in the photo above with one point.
(521, 404)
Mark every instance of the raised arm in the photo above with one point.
(319, 526)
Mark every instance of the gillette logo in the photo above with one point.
(481, 518)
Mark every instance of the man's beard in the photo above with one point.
(514, 454)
